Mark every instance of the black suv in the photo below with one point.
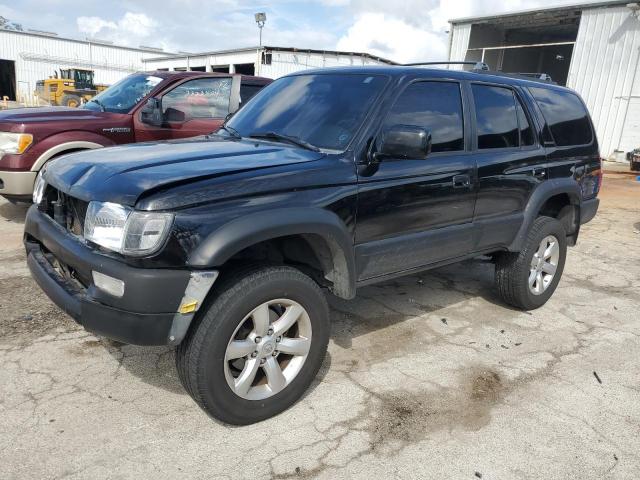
(330, 179)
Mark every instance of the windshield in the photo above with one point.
(324, 110)
(123, 95)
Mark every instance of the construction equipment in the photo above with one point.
(70, 88)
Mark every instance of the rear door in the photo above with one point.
(511, 162)
(196, 106)
(413, 213)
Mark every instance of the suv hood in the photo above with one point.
(122, 174)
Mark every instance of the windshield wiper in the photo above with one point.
(286, 138)
(99, 103)
(234, 133)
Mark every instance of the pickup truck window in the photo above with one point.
(200, 98)
(566, 116)
(436, 106)
(324, 110)
(123, 95)
(496, 118)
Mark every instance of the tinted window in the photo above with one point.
(566, 116)
(200, 98)
(436, 106)
(322, 109)
(526, 132)
(248, 91)
(497, 122)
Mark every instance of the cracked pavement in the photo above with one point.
(427, 376)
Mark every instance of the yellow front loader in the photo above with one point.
(70, 88)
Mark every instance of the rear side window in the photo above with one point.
(496, 117)
(435, 106)
(247, 91)
(526, 132)
(566, 116)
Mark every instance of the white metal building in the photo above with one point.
(271, 62)
(29, 56)
(593, 48)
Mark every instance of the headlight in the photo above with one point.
(14, 142)
(38, 187)
(125, 230)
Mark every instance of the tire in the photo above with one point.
(514, 270)
(70, 100)
(201, 359)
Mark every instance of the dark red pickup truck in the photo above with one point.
(141, 107)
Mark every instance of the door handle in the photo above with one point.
(461, 181)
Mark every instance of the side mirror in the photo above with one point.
(151, 112)
(405, 141)
(174, 115)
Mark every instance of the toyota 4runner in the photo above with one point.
(331, 179)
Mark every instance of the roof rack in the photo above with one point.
(476, 65)
(545, 77)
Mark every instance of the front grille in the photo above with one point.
(65, 210)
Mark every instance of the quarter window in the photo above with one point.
(566, 116)
(435, 106)
(496, 117)
(200, 98)
(526, 132)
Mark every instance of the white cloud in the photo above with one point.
(392, 38)
(130, 29)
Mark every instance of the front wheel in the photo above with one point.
(528, 278)
(257, 346)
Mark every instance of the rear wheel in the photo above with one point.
(257, 346)
(70, 100)
(528, 278)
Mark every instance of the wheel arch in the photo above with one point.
(322, 230)
(558, 198)
(61, 148)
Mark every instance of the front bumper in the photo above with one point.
(17, 184)
(146, 314)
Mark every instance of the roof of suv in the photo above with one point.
(401, 70)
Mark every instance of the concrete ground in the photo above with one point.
(429, 376)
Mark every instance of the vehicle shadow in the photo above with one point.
(375, 308)
(13, 212)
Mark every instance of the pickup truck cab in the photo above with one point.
(326, 180)
(141, 107)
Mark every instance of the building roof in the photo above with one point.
(560, 8)
(87, 41)
(268, 48)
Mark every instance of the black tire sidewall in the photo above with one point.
(550, 227)
(215, 394)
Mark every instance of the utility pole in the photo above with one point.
(261, 18)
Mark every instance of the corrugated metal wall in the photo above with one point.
(37, 57)
(282, 62)
(603, 68)
(460, 34)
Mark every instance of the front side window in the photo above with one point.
(123, 95)
(496, 118)
(566, 116)
(200, 98)
(324, 110)
(434, 106)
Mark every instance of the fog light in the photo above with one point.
(108, 284)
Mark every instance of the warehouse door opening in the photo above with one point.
(7, 79)
(531, 43)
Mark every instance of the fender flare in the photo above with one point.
(538, 198)
(61, 148)
(337, 256)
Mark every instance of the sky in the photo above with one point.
(401, 30)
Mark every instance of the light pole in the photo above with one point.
(261, 17)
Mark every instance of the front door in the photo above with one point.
(413, 213)
(194, 107)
